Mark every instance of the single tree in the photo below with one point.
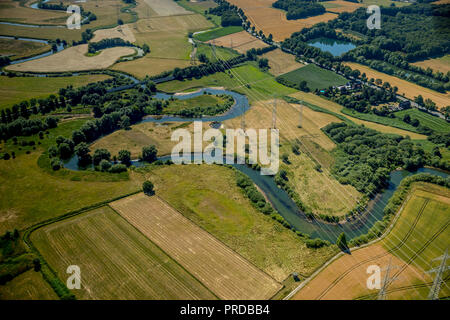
(125, 157)
(342, 242)
(148, 188)
(149, 153)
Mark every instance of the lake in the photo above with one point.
(333, 46)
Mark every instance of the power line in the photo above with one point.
(437, 282)
(386, 281)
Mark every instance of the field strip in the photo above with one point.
(340, 254)
(219, 268)
(116, 260)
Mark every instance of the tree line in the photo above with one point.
(299, 9)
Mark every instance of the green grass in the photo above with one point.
(117, 261)
(208, 195)
(435, 123)
(200, 7)
(221, 53)
(51, 193)
(16, 89)
(204, 100)
(28, 286)
(428, 120)
(217, 33)
(246, 79)
(315, 77)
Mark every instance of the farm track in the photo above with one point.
(418, 252)
(395, 248)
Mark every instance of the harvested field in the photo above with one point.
(105, 10)
(74, 59)
(409, 89)
(260, 116)
(318, 190)
(208, 196)
(168, 41)
(143, 134)
(27, 286)
(166, 7)
(417, 237)
(332, 106)
(437, 65)
(270, 20)
(218, 267)
(124, 32)
(340, 6)
(18, 49)
(239, 41)
(15, 11)
(281, 62)
(116, 261)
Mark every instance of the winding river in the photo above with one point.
(279, 199)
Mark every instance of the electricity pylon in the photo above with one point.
(386, 281)
(437, 282)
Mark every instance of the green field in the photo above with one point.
(29, 285)
(315, 77)
(261, 85)
(217, 33)
(16, 89)
(428, 120)
(221, 53)
(18, 49)
(116, 261)
(201, 7)
(54, 192)
(204, 100)
(208, 196)
(432, 122)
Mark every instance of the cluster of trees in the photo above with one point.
(4, 61)
(365, 157)
(198, 112)
(207, 68)
(228, 13)
(89, 16)
(440, 138)
(391, 48)
(108, 43)
(85, 37)
(246, 184)
(26, 127)
(298, 9)
(365, 99)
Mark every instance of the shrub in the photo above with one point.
(117, 168)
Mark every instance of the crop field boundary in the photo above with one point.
(156, 245)
(237, 253)
(48, 273)
(281, 286)
(337, 256)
